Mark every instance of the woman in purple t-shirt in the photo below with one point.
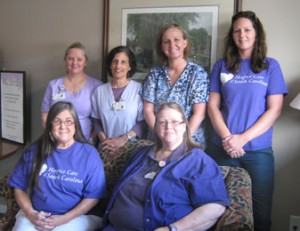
(246, 97)
(59, 178)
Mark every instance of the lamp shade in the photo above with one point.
(296, 102)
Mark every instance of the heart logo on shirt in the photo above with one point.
(225, 77)
(43, 169)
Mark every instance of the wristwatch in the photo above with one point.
(131, 138)
(172, 227)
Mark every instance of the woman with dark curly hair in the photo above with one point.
(117, 106)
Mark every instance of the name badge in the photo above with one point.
(150, 175)
(59, 96)
(117, 106)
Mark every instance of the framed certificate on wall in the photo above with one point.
(12, 104)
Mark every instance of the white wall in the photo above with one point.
(281, 21)
(34, 37)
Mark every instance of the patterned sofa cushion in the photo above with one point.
(7, 220)
(114, 162)
(239, 215)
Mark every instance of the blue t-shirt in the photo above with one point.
(67, 176)
(190, 88)
(244, 97)
(183, 184)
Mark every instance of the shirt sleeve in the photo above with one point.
(212, 188)
(149, 86)
(215, 77)
(96, 184)
(276, 83)
(22, 172)
(140, 128)
(94, 99)
(207, 185)
(46, 103)
(97, 125)
(200, 85)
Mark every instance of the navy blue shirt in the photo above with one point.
(188, 181)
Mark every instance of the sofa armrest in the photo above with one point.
(239, 215)
(8, 219)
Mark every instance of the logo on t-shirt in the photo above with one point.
(243, 79)
(60, 174)
(43, 169)
(225, 77)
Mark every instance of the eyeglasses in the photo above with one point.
(173, 123)
(58, 122)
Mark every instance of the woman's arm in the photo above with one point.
(202, 218)
(215, 115)
(199, 110)
(268, 118)
(149, 114)
(233, 143)
(24, 202)
(38, 218)
(220, 126)
(113, 143)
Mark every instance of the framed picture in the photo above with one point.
(141, 26)
(136, 24)
(12, 106)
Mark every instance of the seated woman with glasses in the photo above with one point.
(59, 178)
(170, 185)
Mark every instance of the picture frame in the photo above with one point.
(116, 14)
(12, 105)
(140, 27)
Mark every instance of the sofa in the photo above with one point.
(237, 217)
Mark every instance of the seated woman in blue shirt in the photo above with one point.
(59, 178)
(170, 185)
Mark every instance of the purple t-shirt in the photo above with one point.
(244, 97)
(67, 176)
(81, 100)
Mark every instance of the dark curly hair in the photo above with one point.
(130, 55)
